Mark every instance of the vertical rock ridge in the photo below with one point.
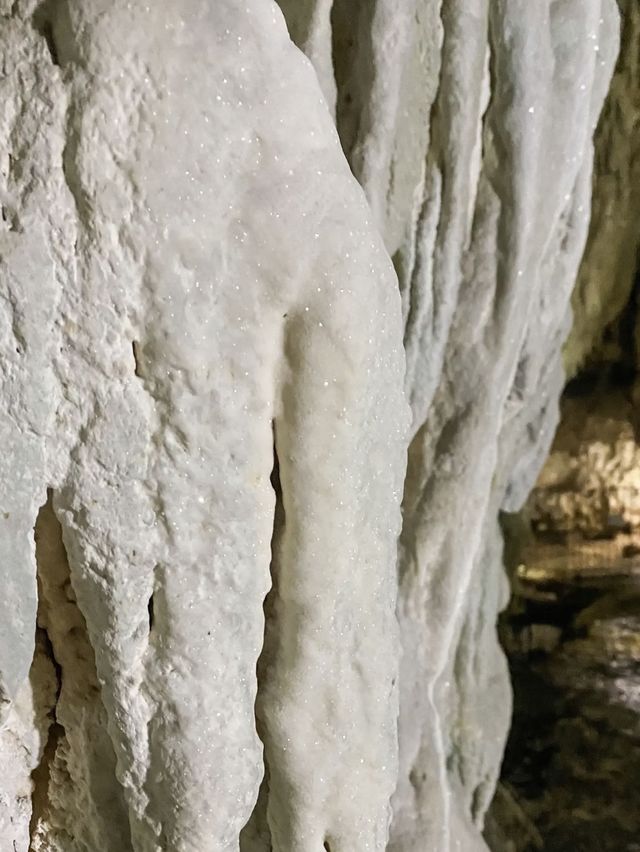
(184, 179)
(175, 202)
(455, 114)
(607, 271)
(317, 592)
(309, 23)
(486, 231)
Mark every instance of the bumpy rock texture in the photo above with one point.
(198, 323)
(469, 126)
(202, 372)
(590, 483)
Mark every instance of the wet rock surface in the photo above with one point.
(574, 751)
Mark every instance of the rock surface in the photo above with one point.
(469, 126)
(590, 484)
(202, 367)
(201, 334)
(608, 269)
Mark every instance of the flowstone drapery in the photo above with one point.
(469, 125)
(204, 427)
(195, 306)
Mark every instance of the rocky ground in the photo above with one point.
(569, 781)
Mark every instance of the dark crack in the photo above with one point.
(257, 827)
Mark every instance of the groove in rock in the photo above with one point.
(151, 618)
(135, 346)
(52, 21)
(78, 717)
(352, 67)
(256, 831)
(40, 776)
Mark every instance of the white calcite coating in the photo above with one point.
(202, 376)
(193, 294)
(469, 124)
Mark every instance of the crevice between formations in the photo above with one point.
(51, 736)
(255, 835)
(78, 754)
(54, 732)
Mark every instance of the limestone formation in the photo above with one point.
(469, 124)
(202, 371)
(199, 322)
(590, 484)
(608, 270)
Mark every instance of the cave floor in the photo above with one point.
(573, 757)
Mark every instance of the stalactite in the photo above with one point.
(189, 267)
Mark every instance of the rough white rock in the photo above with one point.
(469, 124)
(190, 277)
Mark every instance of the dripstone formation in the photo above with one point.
(213, 387)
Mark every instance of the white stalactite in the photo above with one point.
(203, 381)
(202, 276)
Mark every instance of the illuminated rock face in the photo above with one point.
(590, 484)
(469, 125)
(201, 333)
(202, 384)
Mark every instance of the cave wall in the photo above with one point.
(609, 266)
(203, 364)
(469, 126)
(202, 376)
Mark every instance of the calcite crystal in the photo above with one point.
(204, 426)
